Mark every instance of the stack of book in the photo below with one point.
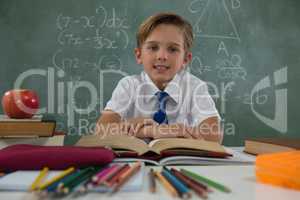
(38, 126)
(257, 146)
(165, 151)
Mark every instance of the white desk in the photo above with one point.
(241, 180)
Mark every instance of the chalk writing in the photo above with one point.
(216, 12)
(97, 28)
(231, 69)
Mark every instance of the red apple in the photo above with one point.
(20, 103)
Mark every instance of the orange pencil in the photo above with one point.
(167, 185)
(127, 175)
(113, 179)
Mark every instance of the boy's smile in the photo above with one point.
(161, 68)
(163, 54)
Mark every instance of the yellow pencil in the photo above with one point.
(166, 184)
(42, 175)
(56, 178)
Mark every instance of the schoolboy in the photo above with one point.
(164, 100)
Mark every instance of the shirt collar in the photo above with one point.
(173, 88)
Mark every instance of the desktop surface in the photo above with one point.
(240, 179)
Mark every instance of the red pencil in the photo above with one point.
(115, 177)
(109, 174)
(127, 175)
(101, 177)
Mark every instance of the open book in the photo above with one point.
(237, 158)
(166, 150)
(157, 146)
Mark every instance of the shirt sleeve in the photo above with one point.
(203, 105)
(122, 98)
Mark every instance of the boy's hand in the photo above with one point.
(195, 133)
(134, 125)
(166, 131)
(173, 130)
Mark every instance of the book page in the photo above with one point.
(238, 158)
(174, 143)
(195, 160)
(115, 142)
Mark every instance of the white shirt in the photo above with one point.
(189, 102)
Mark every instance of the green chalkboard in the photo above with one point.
(74, 52)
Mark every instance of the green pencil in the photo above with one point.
(205, 180)
(68, 188)
(69, 179)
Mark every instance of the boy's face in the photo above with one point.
(163, 54)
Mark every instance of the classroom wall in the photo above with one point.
(74, 52)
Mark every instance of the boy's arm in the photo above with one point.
(203, 109)
(209, 129)
(109, 116)
(110, 122)
(106, 122)
(165, 131)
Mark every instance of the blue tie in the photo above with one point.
(160, 116)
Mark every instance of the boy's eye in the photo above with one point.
(173, 49)
(152, 48)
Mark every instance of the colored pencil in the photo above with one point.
(57, 178)
(42, 175)
(102, 175)
(152, 186)
(102, 180)
(71, 186)
(112, 174)
(181, 188)
(200, 191)
(209, 182)
(200, 184)
(166, 184)
(115, 177)
(71, 178)
(127, 175)
(52, 187)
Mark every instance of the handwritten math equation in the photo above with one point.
(106, 29)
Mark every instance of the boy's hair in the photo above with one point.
(153, 21)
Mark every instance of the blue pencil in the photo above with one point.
(182, 189)
(52, 187)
